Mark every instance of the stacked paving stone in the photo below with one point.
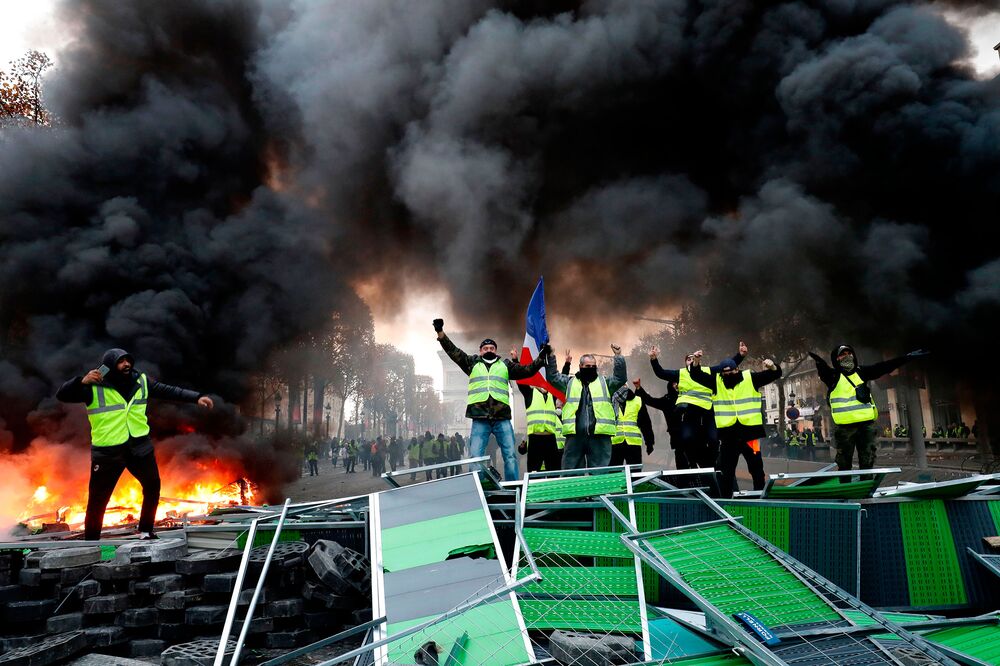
(155, 599)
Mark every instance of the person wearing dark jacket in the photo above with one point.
(666, 404)
(738, 418)
(488, 403)
(695, 426)
(116, 396)
(851, 404)
(588, 417)
(634, 427)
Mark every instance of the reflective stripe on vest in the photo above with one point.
(691, 392)
(605, 422)
(740, 403)
(541, 414)
(489, 382)
(844, 405)
(112, 419)
(628, 424)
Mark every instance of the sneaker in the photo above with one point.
(146, 536)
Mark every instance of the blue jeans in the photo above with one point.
(504, 432)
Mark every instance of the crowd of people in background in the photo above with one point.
(385, 454)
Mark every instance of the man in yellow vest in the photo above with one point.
(736, 403)
(488, 403)
(543, 425)
(634, 427)
(696, 439)
(116, 395)
(851, 403)
(588, 418)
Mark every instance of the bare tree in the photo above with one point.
(21, 91)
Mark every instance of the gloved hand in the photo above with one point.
(522, 448)
(439, 325)
(917, 353)
(544, 350)
(649, 449)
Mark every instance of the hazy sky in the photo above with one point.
(32, 25)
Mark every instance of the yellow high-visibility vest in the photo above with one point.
(691, 392)
(628, 424)
(844, 405)
(740, 403)
(489, 382)
(113, 419)
(604, 413)
(541, 414)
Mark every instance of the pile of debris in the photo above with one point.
(155, 598)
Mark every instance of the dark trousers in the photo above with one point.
(543, 452)
(586, 451)
(313, 468)
(106, 466)
(626, 454)
(696, 437)
(860, 436)
(680, 459)
(729, 457)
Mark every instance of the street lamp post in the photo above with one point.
(277, 411)
(326, 408)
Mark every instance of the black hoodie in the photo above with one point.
(75, 390)
(831, 375)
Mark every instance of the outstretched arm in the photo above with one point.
(662, 403)
(461, 359)
(163, 391)
(699, 375)
(770, 373)
(827, 375)
(876, 370)
(663, 373)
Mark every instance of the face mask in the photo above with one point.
(847, 364)
(587, 374)
(489, 356)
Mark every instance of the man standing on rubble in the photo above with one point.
(116, 395)
(851, 403)
(588, 419)
(738, 417)
(488, 403)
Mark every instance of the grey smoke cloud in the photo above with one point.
(212, 193)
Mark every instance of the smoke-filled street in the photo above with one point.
(616, 278)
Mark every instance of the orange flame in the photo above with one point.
(48, 484)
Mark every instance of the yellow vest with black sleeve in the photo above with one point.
(113, 419)
(605, 422)
(541, 414)
(691, 392)
(628, 424)
(738, 404)
(844, 404)
(489, 382)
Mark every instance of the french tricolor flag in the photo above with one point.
(536, 335)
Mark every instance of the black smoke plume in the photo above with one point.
(836, 156)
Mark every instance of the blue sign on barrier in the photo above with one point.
(756, 626)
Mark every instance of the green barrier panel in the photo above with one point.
(995, 510)
(768, 522)
(734, 574)
(576, 487)
(429, 541)
(979, 641)
(582, 615)
(932, 570)
(498, 640)
(825, 489)
(572, 542)
(264, 538)
(585, 581)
